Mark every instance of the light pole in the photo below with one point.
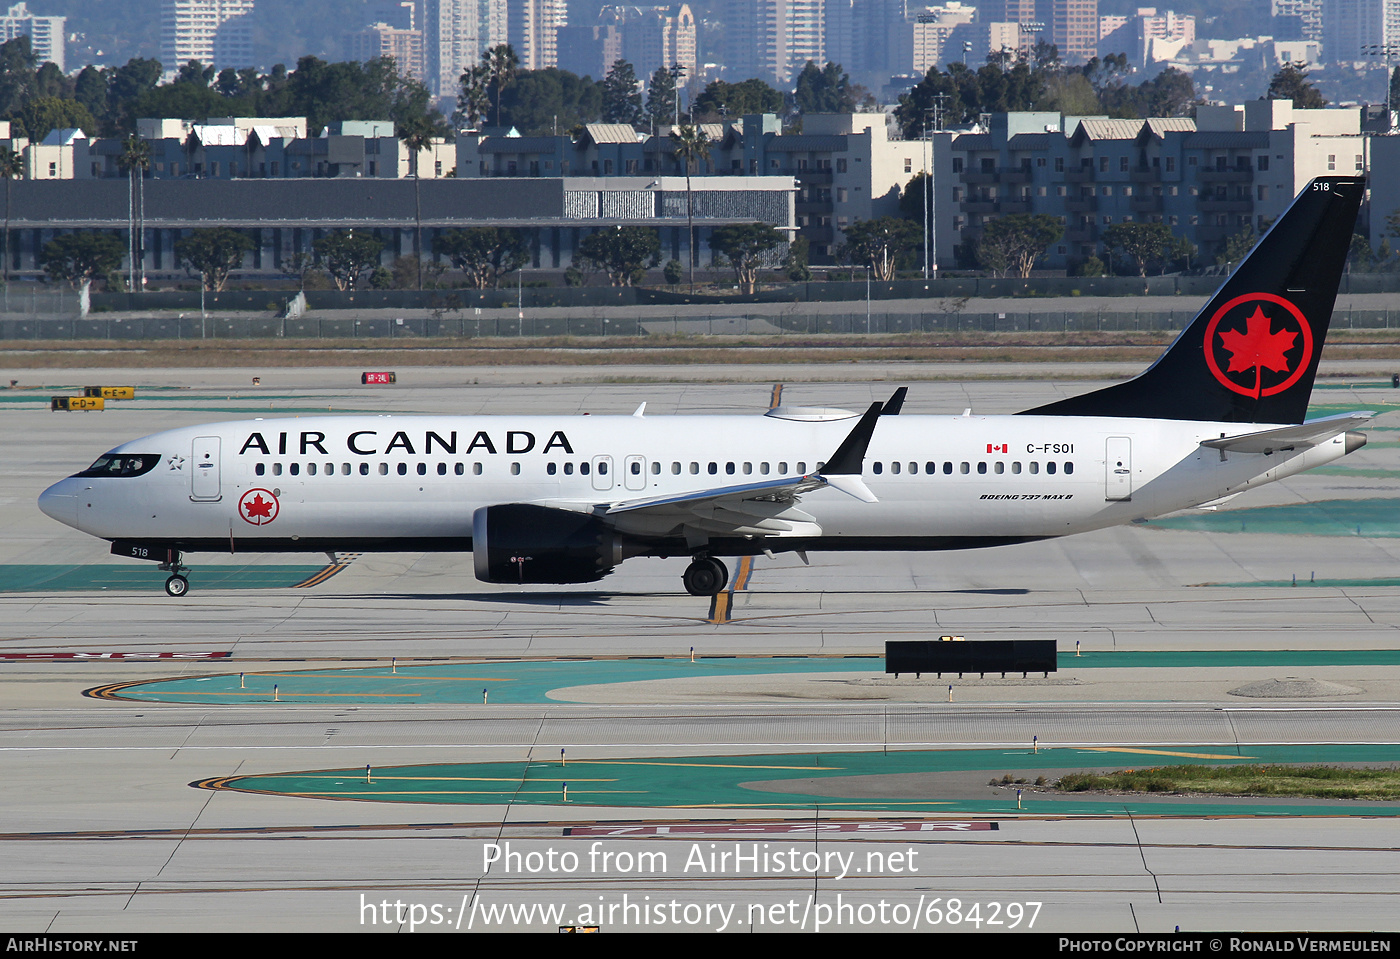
(677, 71)
(1386, 50)
(1027, 30)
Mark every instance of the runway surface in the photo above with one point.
(837, 797)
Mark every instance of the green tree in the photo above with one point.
(473, 97)
(212, 254)
(661, 98)
(298, 264)
(673, 272)
(42, 115)
(1019, 239)
(1180, 253)
(1092, 266)
(883, 243)
(1359, 255)
(1236, 247)
(1291, 83)
(621, 252)
(544, 102)
(484, 254)
(796, 263)
(347, 256)
(135, 158)
(501, 64)
(79, 258)
(690, 145)
(1140, 242)
(748, 247)
(417, 135)
(824, 90)
(721, 99)
(622, 101)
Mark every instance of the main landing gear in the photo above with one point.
(178, 584)
(705, 576)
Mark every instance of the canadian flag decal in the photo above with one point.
(993, 448)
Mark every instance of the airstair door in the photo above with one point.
(204, 470)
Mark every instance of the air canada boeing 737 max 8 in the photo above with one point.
(565, 499)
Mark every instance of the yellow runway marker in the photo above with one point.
(741, 576)
(719, 608)
(1157, 752)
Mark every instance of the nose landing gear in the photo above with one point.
(705, 576)
(178, 584)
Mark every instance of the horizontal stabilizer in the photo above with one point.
(1301, 436)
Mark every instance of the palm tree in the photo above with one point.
(135, 156)
(11, 166)
(501, 63)
(691, 146)
(417, 135)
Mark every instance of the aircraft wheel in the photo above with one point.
(705, 577)
(177, 586)
(721, 571)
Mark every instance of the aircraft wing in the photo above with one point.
(765, 508)
(1301, 436)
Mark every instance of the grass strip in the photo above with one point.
(1318, 782)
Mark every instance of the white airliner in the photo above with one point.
(556, 499)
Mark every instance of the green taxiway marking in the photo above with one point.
(808, 780)
(25, 579)
(541, 682)
(1374, 518)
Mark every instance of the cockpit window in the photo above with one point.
(122, 464)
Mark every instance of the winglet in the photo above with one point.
(895, 403)
(849, 458)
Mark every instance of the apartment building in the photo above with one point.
(1231, 169)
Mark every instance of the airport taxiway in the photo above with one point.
(106, 825)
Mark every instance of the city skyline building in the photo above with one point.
(46, 34)
(214, 32)
(773, 39)
(533, 31)
(382, 40)
(1355, 31)
(455, 34)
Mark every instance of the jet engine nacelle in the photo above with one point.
(520, 543)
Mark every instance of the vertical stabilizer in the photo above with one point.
(1251, 355)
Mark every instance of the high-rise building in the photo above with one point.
(1359, 30)
(1307, 15)
(773, 39)
(455, 34)
(45, 33)
(532, 31)
(382, 40)
(1074, 28)
(214, 32)
(646, 37)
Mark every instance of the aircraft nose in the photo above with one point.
(60, 501)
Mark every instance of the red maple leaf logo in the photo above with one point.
(258, 506)
(1257, 347)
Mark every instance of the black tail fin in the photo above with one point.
(1251, 355)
